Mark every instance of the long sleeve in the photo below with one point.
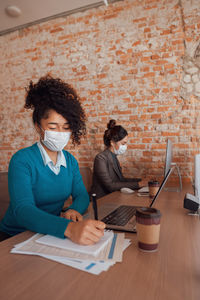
(23, 205)
(122, 178)
(134, 179)
(103, 176)
(37, 194)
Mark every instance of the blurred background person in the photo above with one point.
(107, 172)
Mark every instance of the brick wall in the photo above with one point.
(133, 61)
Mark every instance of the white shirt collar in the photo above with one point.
(61, 161)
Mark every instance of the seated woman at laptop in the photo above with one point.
(43, 176)
(107, 174)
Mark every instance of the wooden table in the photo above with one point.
(171, 273)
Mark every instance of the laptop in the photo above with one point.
(123, 217)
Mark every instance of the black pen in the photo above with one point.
(94, 204)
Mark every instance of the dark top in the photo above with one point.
(107, 175)
(117, 166)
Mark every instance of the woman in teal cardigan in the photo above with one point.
(42, 177)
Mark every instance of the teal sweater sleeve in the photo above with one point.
(37, 194)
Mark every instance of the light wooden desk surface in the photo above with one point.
(171, 273)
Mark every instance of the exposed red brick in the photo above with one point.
(122, 64)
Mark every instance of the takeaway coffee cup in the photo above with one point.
(153, 188)
(148, 228)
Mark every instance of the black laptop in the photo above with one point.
(123, 217)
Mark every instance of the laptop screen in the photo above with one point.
(161, 186)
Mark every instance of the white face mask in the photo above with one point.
(55, 140)
(122, 149)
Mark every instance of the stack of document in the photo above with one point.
(93, 259)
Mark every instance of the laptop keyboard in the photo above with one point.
(120, 216)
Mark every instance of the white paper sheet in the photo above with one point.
(112, 254)
(67, 244)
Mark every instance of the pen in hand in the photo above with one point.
(94, 204)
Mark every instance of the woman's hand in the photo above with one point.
(72, 214)
(85, 232)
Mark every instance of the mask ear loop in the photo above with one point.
(112, 145)
(36, 129)
(115, 150)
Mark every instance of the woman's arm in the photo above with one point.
(25, 211)
(126, 179)
(102, 174)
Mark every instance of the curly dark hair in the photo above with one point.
(53, 93)
(114, 133)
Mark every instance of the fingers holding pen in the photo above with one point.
(96, 231)
(86, 232)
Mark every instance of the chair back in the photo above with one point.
(86, 174)
(4, 195)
